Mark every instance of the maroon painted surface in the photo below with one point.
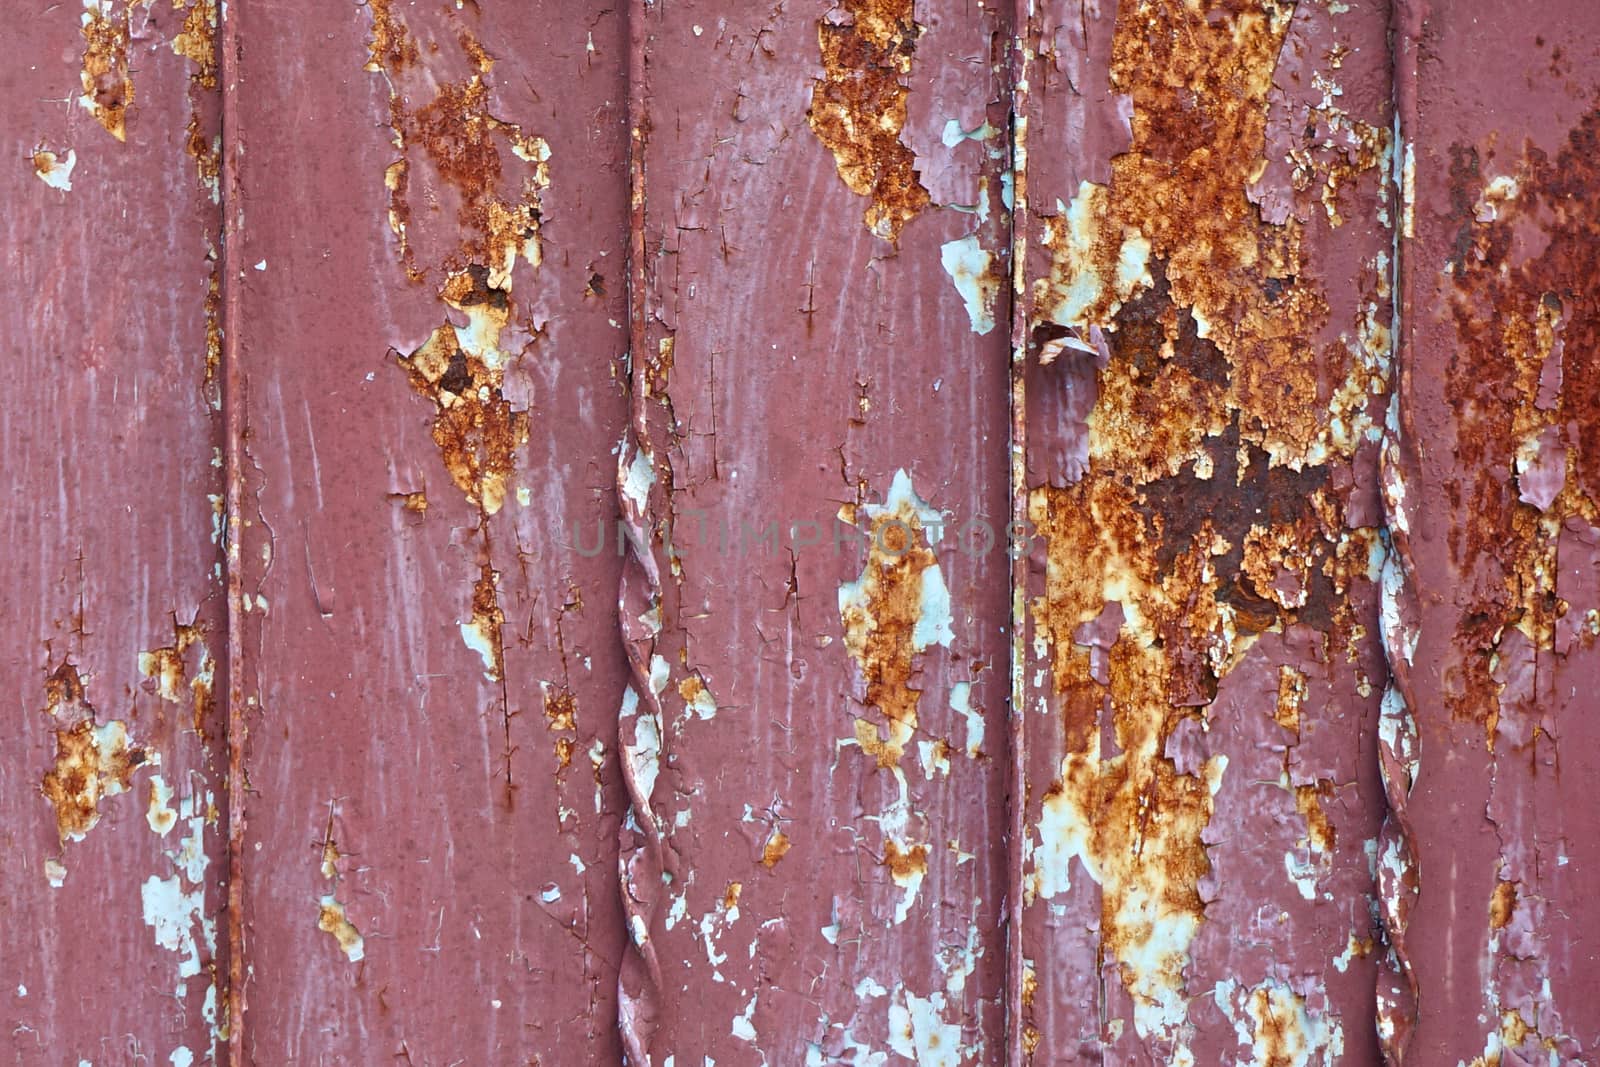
(565, 710)
(811, 360)
(1501, 588)
(478, 870)
(1198, 868)
(109, 435)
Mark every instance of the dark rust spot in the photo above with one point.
(1525, 392)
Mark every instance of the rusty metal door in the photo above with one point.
(801, 532)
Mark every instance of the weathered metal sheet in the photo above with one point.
(814, 729)
(583, 476)
(1203, 208)
(430, 261)
(1493, 485)
(111, 579)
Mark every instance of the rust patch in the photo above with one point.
(1320, 833)
(107, 83)
(1526, 397)
(55, 168)
(560, 709)
(775, 849)
(461, 370)
(196, 39)
(454, 151)
(1283, 1034)
(495, 174)
(1200, 511)
(331, 916)
(892, 613)
(464, 146)
(1176, 217)
(1291, 695)
(561, 716)
(858, 107)
(482, 633)
(883, 614)
(182, 672)
(93, 760)
(331, 919)
(415, 502)
(905, 864)
(1502, 905)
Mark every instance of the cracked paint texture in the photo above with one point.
(1268, 747)
(470, 237)
(1207, 367)
(110, 442)
(1494, 482)
(793, 406)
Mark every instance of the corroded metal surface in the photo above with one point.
(846, 532)
(431, 276)
(1493, 484)
(813, 735)
(1206, 298)
(112, 580)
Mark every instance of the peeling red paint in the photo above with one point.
(1266, 745)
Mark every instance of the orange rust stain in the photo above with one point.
(211, 387)
(561, 715)
(161, 817)
(92, 761)
(1319, 829)
(46, 163)
(858, 108)
(1031, 1036)
(392, 48)
(463, 145)
(196, 40)
(730, 896)
(487, 618)
(476, 427)
(1278, 1020)
(415, 501)
(455, 151)
(1514, 1030)
(560, 708)
(775, 849)
(331, 919)
(1177, 203)
(1291, 695)
(1203, 513)
(107, 82)
(879, 627)
(1525, 393)
(186, 663)
(1502, 905)
(905, 863)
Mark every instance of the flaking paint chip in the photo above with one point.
(55, 169)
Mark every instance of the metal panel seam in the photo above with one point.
(1398, 875)
(640, 588)
(233, 459)
(1016, 812)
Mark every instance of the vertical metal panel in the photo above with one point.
(1493, 486)
(111, 580)
(1206, 291)
(431, 276)
(814, 731)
